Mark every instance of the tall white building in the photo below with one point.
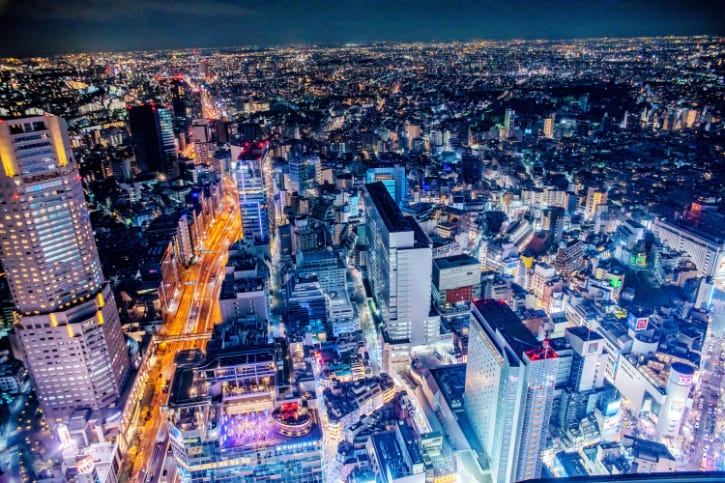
(670, 417)
(68, 324)
(400, 261)
(700, 235)
(510, 381)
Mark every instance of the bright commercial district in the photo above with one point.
(395, 358)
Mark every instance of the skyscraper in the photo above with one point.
(152, 135)
(549, 127)
(393, 177)
(179, 105)
(595, 197)
(508, 118)
(399, 266)
(510, 381)
(305, 173)
(68, 327)
(248, 160)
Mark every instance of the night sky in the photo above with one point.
(30, 27)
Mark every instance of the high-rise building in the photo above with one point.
(399, 266)
(569, 257)
(549, 127)
(305, 173)
(508, 119)
(286, 246)
(209, 131)
(393, 177)
(552, 221)
(595, 197)
(510, 382)
(329, 271)
(247, 169)
(588, 359)
(412, 132)
(244, 291)
(582, 362)
(306, 309)
(152, 135)
(179, 105)
(68, 325)
(679, 383)
(699, 233)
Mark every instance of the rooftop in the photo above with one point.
(231, 287)
(389, 212)
(253, 151)
(455, 261)
(584, 333)
(288, 423)
(707, 226)
(503, 320)
(572, 464)
(451, 381)
(390, 454)
(406, 432)
(191, 380)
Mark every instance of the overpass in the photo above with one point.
(157, 339)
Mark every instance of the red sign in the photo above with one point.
(459, 295)
(289, 407)
(685, 379)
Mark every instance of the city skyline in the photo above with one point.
(31, 28)
(453, 262)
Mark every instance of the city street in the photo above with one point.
(262, 243)
(703, 428)
(372, 338)
(190, 327)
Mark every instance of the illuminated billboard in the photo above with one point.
(637, 323)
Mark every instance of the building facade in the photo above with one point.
(394, 179)
(68, 325)
(703, 241)
(510, 382)
(456, 282)
(247, 168)
(152, 135)
(305, 173)
(399, 266)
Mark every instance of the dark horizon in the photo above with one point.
(44, 28)
(331, 45)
